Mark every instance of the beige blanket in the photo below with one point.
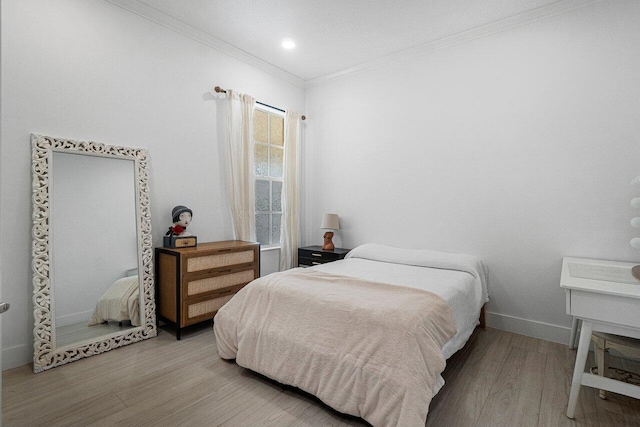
(367, 349)
(120, 302)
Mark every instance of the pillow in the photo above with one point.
(423, 258)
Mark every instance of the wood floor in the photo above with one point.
(498, 379)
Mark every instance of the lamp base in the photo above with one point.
(328, 244)
(636, 272)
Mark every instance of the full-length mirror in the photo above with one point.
(92, 259)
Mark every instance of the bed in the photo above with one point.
(119, 303)
(368, 335)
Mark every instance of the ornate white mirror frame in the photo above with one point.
(46, 355)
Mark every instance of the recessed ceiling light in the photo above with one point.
(288, 44)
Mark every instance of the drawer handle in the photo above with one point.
(224, 250)
(315, 254)
(225, 271)
(316, 263)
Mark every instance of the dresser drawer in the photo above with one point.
(219, 260)
(198, 310)
(216, 282)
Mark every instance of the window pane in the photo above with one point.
(262, 195)
(262, 228)
(276, 196)
(277, 130)
(260, 126)
(275, 162)
(275, 228)
(261, 160)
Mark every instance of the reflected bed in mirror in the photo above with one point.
(92, 265)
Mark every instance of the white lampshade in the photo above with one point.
(330, 222)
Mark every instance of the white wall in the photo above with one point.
(518, 147)
(89, 70)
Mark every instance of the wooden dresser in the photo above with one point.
(193, 283)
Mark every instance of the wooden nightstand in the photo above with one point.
(314, 255)
(193, 283)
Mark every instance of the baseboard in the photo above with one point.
(72, 319)
(16, 356)
(530, 328)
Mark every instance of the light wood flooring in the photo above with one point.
(498, 379)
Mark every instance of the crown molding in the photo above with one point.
(187, 30)
(544, 12)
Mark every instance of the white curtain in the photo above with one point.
(290, 225)
(240, 149)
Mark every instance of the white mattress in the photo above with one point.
(460, 289)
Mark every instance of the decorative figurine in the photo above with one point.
(181, 218)
(177, 236)
(330, 222)
(328, 243)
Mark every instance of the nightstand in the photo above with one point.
(314, 255)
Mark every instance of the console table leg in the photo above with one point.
(581, 359)
(574, 329)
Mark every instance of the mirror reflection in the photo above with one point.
(94, 276)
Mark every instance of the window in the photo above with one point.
(268, 158)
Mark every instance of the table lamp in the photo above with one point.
(329, 222)
(635, 222)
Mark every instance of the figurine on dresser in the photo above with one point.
(178, 236)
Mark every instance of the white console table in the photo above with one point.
(606, 297)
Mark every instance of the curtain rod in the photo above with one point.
(218, 89)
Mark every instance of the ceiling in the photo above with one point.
(334, 36)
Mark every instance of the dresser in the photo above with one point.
(193, 283)
(314, 255)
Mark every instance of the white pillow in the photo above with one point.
(424, 258)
